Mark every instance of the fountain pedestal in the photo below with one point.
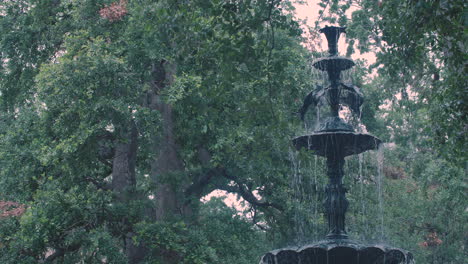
(335, 202)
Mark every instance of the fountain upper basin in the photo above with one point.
(335, 63)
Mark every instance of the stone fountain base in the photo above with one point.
(338, 251)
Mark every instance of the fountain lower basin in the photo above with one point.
(338, 251)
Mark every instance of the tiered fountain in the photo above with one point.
(335, 139)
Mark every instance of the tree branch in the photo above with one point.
(247, 195)
(197, 188)
(60, 252)
(241, 188)
(100, 185)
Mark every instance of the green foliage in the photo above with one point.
(72, 82)
(420, 48)
(221, 236)
(63, 220)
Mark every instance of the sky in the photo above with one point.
(309, 12)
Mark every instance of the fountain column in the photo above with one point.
(335, 203)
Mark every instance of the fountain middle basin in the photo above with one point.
(326, 143)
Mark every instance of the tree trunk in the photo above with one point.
(166, 149)
(124, 183)
(123, 164)
(166, 153)
(167, 161)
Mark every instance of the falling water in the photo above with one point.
(320, 76)
(346, 76)
(316, 200)
(380, 162)
(360, 126)
(296, 183)
(317, 123)
(310, 203)
(337, 36)
(310, 195)
(361, 191)
(306, 127)
(366, 173)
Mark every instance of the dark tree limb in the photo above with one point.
(240, 187)
(198, 187)
(254, 212)
(105, 162)
(60, 252)
(246, 194)
(100, 185)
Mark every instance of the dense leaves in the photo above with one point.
(78, 77)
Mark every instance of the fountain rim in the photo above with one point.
(304, 141)
(323, 63)
(329, 244)
(333, 244)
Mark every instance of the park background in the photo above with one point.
(118, 118)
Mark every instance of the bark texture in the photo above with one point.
(166, 150)
(124, 184)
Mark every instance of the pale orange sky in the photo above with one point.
(309, 12)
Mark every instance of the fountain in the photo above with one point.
(334, 139)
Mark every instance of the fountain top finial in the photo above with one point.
(333, 34)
